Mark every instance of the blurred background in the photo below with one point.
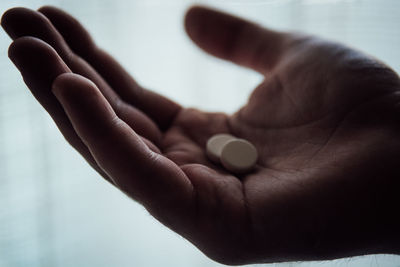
(56, 211)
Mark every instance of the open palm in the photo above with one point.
(324, 121)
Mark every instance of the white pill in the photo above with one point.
(215, 144)
(238, 156)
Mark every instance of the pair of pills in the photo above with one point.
(235, 154)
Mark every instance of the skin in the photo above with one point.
(325, 121)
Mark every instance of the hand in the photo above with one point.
(325, 121)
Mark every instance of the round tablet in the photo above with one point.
(238, 155)
(215, 144)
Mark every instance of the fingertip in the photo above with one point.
(51, 11)
(61, 83)
(7, 19)
(190, 14)
(4, 17)
(72, 86)
(9, 13)
(188, 21)
(21, 46)
(10, 51)
(193, 19)
(87, 109)
(47, 8)
(15, 20)
(21, 42)
(73, 32)
(33, 50)
(196, 11)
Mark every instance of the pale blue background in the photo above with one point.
(56, 211)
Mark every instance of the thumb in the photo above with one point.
(234, 39)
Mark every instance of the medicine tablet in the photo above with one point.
(215, 144)
(238, 156)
